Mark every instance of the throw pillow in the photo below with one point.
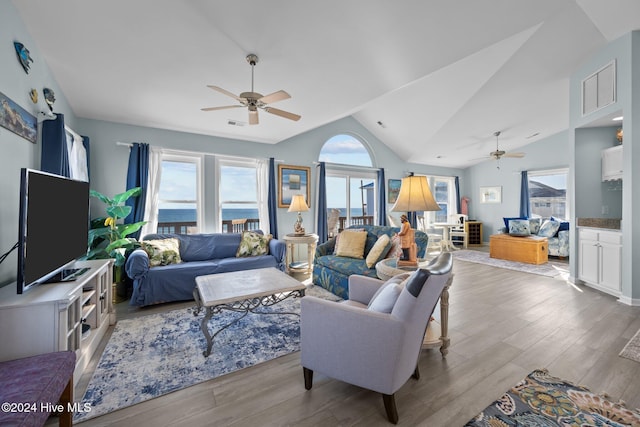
(253, 244)
(379, 250)
(351, 244)
(335, 246)
(507, 219)
(395, 251)
(564, 225)
(534, 225)
(519, 227)
(549, 228)
(384, 301)
(162, 252)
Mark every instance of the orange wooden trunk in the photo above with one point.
(532, 250)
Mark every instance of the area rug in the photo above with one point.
(543, 400)
(550, 269)
(632, 349)
(156, 354)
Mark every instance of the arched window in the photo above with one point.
(346, 150)
(351, 182)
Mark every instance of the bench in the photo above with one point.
(33, 387)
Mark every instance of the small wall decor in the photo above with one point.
(293, 180)
(33, 94)
(17, 119)
(491, 194)
(619, 135)
(49, 97)
(393, 189)
(23, 56)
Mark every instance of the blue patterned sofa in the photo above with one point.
(332, 271)
(555, 230)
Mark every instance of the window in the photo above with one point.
(178, 198)
(350, 189)
(238, 195)
(353, 194)
(548, 193)
(444, 192)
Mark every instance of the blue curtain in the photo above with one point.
(272, 204)
(525, 208)
(382, 200)
(456, 182)
(54, 157)
(413, 219)
(137, 176)
(322, 204)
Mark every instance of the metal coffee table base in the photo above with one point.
(244, 306)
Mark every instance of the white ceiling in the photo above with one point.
(441, 76)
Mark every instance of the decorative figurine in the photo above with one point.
(23, 56)
(49, 97)
(33, 94)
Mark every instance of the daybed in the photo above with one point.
(332, 271)
(199, 255)
(555, 230)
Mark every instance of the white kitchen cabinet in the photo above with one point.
(612, 163)
(50, 317)
(599, 259)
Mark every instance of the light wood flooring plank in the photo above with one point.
(503, 324)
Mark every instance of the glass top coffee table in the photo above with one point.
(243, 292)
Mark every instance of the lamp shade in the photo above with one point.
(415, 195)
(298, 204)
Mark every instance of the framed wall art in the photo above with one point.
(491, 194)
(293, 180)
(393, 189)
(17, 119)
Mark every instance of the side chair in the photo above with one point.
(374, 339)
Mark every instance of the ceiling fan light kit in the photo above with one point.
(254, 100)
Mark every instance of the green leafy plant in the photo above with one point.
(108, 238)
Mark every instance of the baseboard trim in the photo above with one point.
(635, 302)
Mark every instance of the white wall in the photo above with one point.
(16, 151)
(548, 153)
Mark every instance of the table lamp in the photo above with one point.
(298, 204)
(415, 195)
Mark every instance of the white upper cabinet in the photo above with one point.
(612, 163)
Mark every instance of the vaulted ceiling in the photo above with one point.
(433, 80)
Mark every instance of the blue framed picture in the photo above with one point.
(17, 119)
(293, 180)
(393, 189)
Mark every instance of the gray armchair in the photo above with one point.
(373, 340)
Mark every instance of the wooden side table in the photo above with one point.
(437, 334)
(311, 240)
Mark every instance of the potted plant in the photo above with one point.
(108, 238)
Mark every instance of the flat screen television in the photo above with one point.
(53, 227)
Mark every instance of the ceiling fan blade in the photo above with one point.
(224, 107)
(274, 97)
(514, 155)
(225, 92)
(253, 117)
(281, 113)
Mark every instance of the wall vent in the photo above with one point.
(599, 89)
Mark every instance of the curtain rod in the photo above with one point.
(72, 132)
(129, 144)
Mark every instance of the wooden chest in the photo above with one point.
(532, 249)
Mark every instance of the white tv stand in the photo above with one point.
(49, 317)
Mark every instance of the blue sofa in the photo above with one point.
(332, 271)
(201, 254)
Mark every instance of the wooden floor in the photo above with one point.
(503, 324)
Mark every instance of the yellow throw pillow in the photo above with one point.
(162, 252)
(379, 250)
(351, 244)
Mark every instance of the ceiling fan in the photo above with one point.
(498, 154)
(253, 100)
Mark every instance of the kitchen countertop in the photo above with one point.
(608, 223)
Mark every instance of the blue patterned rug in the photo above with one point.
(546, 401)
(552, 268)
(153, 355)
